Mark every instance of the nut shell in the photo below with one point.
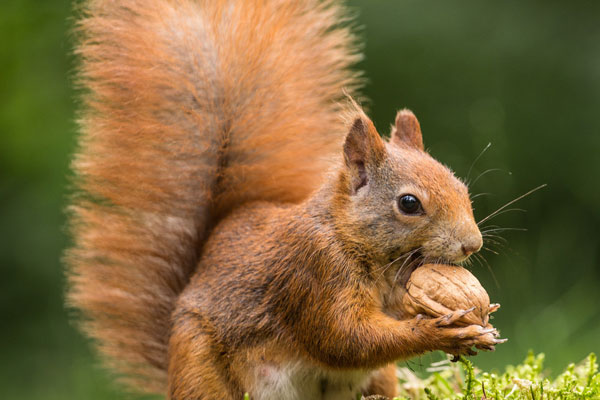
(437, 290)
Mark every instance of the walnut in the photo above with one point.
(437, 290)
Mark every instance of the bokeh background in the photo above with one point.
(523, 76)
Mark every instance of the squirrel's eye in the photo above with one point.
(409, 204)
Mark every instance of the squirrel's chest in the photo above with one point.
(295, 381)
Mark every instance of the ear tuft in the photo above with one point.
(407, 131)
(363, 150)
(355, 146)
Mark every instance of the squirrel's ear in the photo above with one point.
(363, 148)
(407, 131)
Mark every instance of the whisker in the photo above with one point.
(482, 258)
(468, 263)
(494, 242)
(494, 246)
(480, 194)
(475, 161)
(485, 173)
(496, 237)
(487, 228)
(491, 251)
(386, 266)
(477, 259)
(410, 253)
(511, 202)
(505, 211)
(491, 226)
(403, 264)
(486, 234)
(503, 229)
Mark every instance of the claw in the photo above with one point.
(489, 330)
(445, 320)
(493, 307)
(465, 312)
(495, 333)
(497, 341)
(449, 319)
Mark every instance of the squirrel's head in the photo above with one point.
(397, 199)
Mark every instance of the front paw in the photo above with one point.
(441, 334)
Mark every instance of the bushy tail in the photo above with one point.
(191, 107)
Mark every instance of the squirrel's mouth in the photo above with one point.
(416, 258)
(411, 261)
(406, 264)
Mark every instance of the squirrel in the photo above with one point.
(237, 226)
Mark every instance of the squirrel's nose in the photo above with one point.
(472, 246)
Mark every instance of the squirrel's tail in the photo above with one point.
(190, 108)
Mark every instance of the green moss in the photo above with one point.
(526, 381)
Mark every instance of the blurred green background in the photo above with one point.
(524, 76)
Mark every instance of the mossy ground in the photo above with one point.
(526, 381)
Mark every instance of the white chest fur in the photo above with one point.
(295, 381)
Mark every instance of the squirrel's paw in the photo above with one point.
(493, 307)
(457, 340)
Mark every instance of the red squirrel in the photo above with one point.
(238, 227)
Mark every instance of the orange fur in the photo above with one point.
(214, 254)
(298, 301)
(191, 108)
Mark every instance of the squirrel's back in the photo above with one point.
(191, 108)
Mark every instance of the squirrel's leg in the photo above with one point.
(360, 335)
(383, 382)
(196, 368)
